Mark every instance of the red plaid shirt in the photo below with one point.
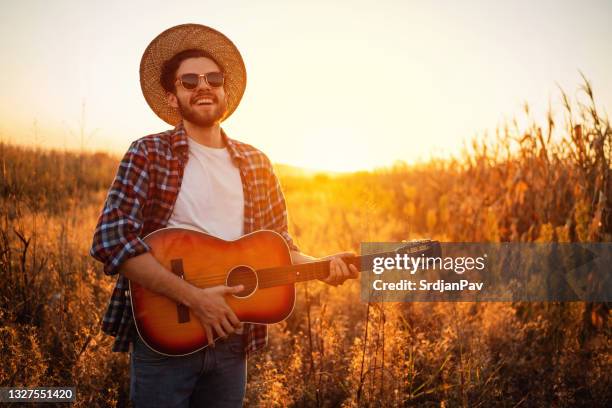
(141, 200)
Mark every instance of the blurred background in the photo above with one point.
(469, 122)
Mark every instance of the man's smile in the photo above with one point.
(203, 100)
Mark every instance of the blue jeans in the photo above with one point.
(213, 377)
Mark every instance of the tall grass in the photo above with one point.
(544, 182)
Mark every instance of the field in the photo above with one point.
(538, 183)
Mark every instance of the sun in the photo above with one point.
(331, 148)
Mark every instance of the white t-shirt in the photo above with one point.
(211, 197)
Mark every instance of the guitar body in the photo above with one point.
(206, 261)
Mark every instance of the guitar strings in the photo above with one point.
(274, 276)
(270, 277)
(267, 276)
(279, 275)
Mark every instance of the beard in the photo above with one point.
(203, 117)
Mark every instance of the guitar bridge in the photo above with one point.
(182, 311)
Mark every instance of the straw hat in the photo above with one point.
(181, 38)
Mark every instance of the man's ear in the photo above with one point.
(172, 101)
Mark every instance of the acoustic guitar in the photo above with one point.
(260, 261)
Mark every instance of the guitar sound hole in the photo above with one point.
(243, 275)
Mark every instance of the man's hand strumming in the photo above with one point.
(211, 309)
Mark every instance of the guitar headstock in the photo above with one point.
(425, 247)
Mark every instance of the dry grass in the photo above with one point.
(546, 182)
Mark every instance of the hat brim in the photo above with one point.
(184, 37)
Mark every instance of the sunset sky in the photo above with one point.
(334, 85)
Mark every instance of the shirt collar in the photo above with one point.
(181, 144)
(179, 139)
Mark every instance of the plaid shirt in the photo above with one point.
(141, 200)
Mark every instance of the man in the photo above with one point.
(193, 176)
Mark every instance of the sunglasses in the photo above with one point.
(191, 81)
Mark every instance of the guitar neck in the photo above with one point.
(285, 275)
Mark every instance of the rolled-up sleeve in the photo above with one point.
(117, 234)
(278, 209)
